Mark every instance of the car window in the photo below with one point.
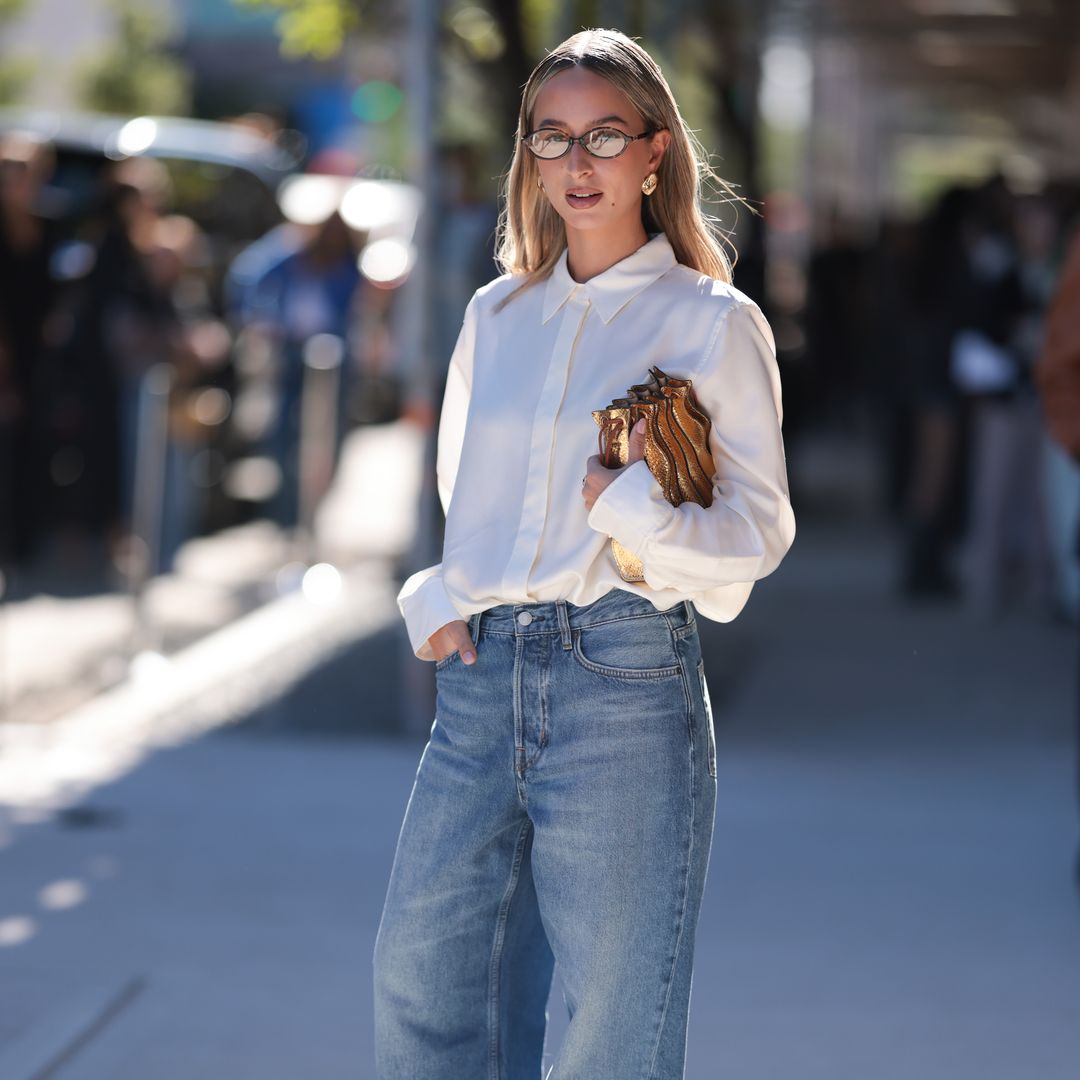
(228, 202)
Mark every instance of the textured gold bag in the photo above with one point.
(676, 446)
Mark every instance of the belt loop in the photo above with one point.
(564, 624)
(475, 620)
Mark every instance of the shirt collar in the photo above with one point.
(617, 285)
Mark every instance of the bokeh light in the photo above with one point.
(376, 101)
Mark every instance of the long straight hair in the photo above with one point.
(532, 236)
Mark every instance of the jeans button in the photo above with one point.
(524, 618)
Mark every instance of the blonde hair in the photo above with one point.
(531, 234)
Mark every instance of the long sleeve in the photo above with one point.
(749, 527)
(423, 599)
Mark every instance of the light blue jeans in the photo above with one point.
(563, 808)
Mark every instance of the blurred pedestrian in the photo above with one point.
(1058, 375)
(891, 379)
(563, 806)
(1008, 550)
(304, 292)
(111, 326)
(138, 325)
(837, 315)
(249, 267)
(197, 351)
(27, 240)
(932, 504)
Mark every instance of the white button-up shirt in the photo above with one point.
(516, 430)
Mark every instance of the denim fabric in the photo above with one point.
(562, 808)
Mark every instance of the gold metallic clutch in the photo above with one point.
(676, 446)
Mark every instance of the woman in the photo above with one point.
(563, 805)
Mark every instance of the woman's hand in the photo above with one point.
(599, 476)
(453, 637)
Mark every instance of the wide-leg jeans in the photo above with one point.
(562, 809)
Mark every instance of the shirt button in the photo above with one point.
(524, 618)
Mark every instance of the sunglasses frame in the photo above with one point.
(571, 139)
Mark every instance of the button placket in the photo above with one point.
(541, 448)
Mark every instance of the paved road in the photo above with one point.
(889, 895)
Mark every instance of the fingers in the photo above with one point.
(453, 637)
(637, 441)
(463, 641)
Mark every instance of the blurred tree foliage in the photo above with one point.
(315, 28)
(137, 74)
(14, 72)
(499, 39)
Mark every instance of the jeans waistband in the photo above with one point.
(558, 616)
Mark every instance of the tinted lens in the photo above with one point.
(546, 143)
(606, 142)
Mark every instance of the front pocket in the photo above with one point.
(447, 660)
(635, 648)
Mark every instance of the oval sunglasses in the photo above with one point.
(601, 142)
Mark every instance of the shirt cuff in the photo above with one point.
(425, 606)
(631, 508)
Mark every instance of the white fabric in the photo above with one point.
(516, 431)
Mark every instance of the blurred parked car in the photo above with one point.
(223, 176)
(239, 187)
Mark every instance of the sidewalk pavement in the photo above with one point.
(889, 897)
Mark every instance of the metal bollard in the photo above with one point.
(323, 357)
(151, 446)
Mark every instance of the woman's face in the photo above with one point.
(587, 192)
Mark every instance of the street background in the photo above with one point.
(236, 241)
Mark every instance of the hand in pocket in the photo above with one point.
(453, 637)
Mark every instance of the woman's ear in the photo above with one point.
(661, 140)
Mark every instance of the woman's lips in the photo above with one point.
(583, 201)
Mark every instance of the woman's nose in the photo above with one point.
(579, 159)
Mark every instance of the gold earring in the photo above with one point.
(648, 185)
(539, 182)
